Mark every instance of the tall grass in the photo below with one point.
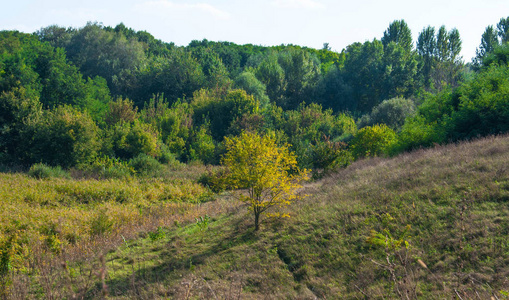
(431, 224)
(47, 222)
(427, 224)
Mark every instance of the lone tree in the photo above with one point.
(269, 173)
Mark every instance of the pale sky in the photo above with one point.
(262, 22)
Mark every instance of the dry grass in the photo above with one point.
(454, 198)
(48, 226)
(448, 203)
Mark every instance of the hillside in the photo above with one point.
(116, 150)
(427, 224)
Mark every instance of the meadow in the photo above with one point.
(426, 224)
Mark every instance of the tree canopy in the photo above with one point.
(268, 172)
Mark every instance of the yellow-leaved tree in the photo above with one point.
(268, 172)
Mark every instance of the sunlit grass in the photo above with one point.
(450, 200)
(149, 238)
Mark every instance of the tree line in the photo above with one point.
(100, 95)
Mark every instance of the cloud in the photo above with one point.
(309, 4)
(169, 7)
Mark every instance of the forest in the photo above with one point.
(106, 132)
(82, 98)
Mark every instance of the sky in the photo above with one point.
(308, 23)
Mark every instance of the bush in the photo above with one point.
(101, 224)
(106, 167)
(146, 165)
(327, 156)
(415, 134)
(372, 141)
(215, 181)
(220, 111)
(168, 158)
(249, 83)
(64, 136)
(42, 171)
(130, 140)
(202, 146)
(484, 106)
(392, 112)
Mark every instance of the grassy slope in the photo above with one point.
(454, 199)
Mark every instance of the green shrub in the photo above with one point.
(327, 156)
(484, 106)
(372, 141)
(101, 224)
(64, 136)
(130, 140)
(166, 157)
(249, 83)
(215, 181)
(158, 234)
(202, 222)
(202, 147)
(145, 165)
(42, 171)
(220, 111)
(392, 112)
(415, 134)
(121, 110)
(107, 167)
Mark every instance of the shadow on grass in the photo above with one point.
(175, 267)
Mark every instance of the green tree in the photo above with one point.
(213, 68)
(270, 73)
(201, 146)
(426, 47)
(64, 136)
(177, 75)
(16, 108)
(56, 36)
(268, 172)
(484, 105)
(121, 110)
(109, 54)
(333, 91)
(249, 83)
(489, 41)
(174, 123)
(392, 113)
(221, 110)
(362, 72)
(440, 60)
(98, 98)
(400, 69)
(128, 140)
(447, 63)
(41, 69)
(399, 33)
(301, 74)
(503, 30)
(499, 56)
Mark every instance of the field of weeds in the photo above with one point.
(53, 231)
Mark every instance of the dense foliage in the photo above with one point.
(72, 97)
(269, 173)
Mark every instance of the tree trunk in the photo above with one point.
(257, 221)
